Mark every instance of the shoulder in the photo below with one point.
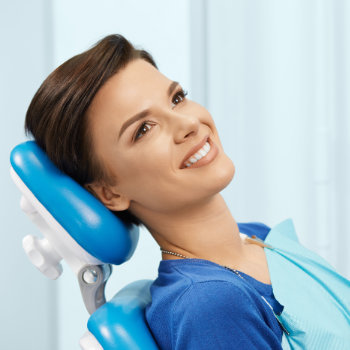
(217, 314)
(180, 282)
(215, 295)
(195, 285)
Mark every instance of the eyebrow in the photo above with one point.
(145, 112)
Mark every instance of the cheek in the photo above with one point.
(208, 120)
(145, 173)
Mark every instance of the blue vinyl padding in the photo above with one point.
(120, 323)
(95, 228)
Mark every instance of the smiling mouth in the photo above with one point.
(206, 153)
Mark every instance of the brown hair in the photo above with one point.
(56, 116)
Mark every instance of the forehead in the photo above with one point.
(129, 90)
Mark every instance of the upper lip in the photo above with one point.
(193, 150)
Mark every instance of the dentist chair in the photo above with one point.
(78, 228)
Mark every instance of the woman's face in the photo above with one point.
(145, 151)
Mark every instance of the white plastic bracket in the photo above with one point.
(57, 244)
(43, 256)
(89, 342)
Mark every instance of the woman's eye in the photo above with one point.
(145, 126)
(178, 97)
(143, 129)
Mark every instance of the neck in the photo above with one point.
(205, 231)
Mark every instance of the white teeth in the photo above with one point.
(203, 152)
(197, 156)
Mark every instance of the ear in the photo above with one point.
(108, 196)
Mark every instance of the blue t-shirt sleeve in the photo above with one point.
(219, 315)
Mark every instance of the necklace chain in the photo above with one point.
(186, 257)
(172, 253)
(244, 237)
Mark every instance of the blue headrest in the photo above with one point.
(95, 228)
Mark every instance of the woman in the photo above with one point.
(128, 134)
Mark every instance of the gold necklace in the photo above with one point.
(186, 257)
(253, 239)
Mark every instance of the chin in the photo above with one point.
(223, 175)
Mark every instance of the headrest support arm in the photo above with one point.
(92, 281)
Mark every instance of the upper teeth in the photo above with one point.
(197, 156)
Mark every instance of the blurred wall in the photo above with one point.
(278, 78)
(27, 309)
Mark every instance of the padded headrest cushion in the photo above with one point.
(94, 227)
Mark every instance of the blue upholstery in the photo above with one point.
(84, 217)
(120, 323)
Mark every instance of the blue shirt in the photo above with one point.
(198, 304)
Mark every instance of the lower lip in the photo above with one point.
(207, 158)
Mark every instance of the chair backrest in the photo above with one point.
(81, 230)
(120, 323)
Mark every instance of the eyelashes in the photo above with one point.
(139, 131)
(178, 97)
(182, 94)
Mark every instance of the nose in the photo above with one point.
(183, 125)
